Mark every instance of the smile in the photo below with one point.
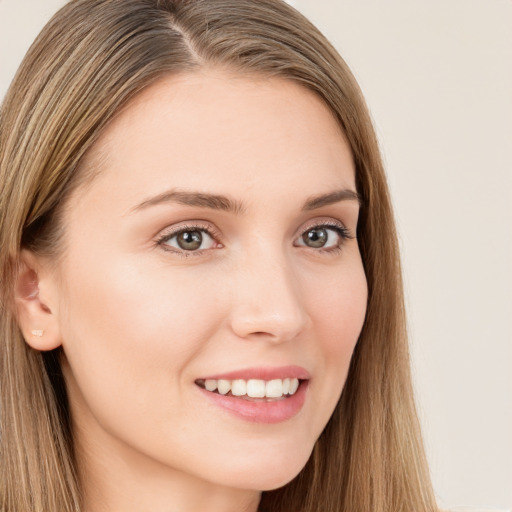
(259, 395)
(252, 388)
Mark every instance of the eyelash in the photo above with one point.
(343, 232)
(203, 228)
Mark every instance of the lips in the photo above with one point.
(262, 395)
(263, 373)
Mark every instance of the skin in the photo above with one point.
(140, 320)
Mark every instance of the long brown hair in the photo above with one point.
(88, 62)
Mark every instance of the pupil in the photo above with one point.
(190, 240)
(315, 237)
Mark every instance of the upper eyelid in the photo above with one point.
(171, 231)
(325, 222)
(320, 223)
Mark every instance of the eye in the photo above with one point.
(324, 237)
(188, 239)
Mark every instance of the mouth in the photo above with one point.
(261, 395)
(253, 390)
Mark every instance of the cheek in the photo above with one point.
(338, 316)
(339, 308)
(133, 329)
(129, 339)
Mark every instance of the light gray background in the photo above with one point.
(437, 76)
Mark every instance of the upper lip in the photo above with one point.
(263, 373)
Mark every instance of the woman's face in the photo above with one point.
(216, 243)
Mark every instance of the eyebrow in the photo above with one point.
(199, 199)
(316, 202)
(223, 203)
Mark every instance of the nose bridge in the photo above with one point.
(266, 298)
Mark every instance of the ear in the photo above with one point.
(36, 304)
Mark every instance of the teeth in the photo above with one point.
(294, 384)
(238, 387)
(223, 386)
(210, 385)
(254, 388)
(274, 388)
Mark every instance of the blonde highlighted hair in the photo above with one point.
(84, 67)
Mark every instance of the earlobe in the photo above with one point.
(35, 317)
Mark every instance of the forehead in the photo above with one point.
(220, 130)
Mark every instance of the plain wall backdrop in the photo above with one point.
(437, 77)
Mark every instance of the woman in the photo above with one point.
(202, 306)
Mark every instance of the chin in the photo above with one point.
(270, 475)
(279, 480)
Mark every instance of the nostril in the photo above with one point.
(274, 317)
(276, 332)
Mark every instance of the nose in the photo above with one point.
(266, 301)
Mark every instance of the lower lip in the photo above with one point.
(261, 412)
